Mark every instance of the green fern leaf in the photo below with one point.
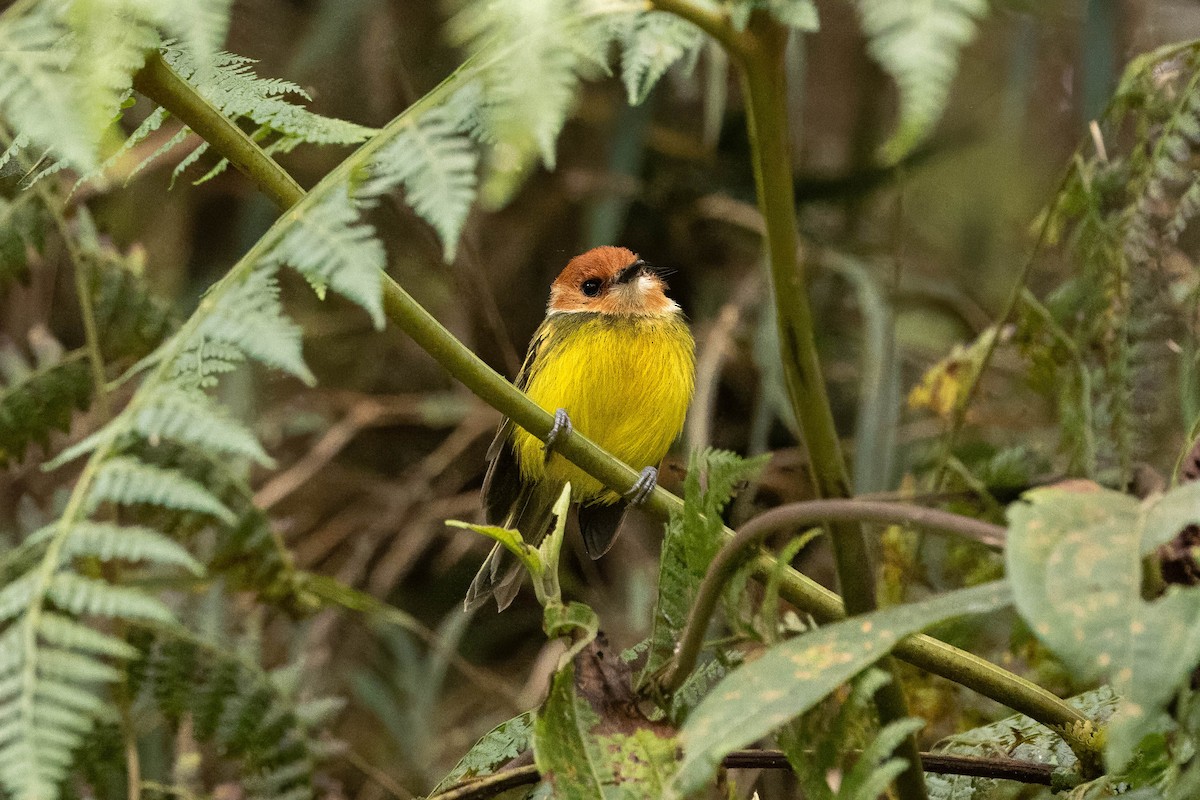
(918, 45)
(436, 164)
(59, 630)
(654, 42)
(38, 96)
(22, 230)
(15, 597)
(179, 414)
(250, 319)
(330, 245)
(191, 417)
(73, 667)
(40, 401)
(229, 83)
(107, 542)
(95, 597)
(536, 51)
(125, 481)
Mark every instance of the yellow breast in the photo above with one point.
(625, 381)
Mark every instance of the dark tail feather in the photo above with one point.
(599, 526)
(500, 576)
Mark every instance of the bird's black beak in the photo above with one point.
(635, 269)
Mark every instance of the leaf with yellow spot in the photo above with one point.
(1074, 558)
(793, 676)
(945, 385)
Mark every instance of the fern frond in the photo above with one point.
(331, 246)
(535, 53)
(38, 96)
(66, 70)
(40, 400)
(228, 82)
(59, 630)
(654, 42)
(109, 542)
(125, 481)
(250, 319)
(190, 417)
(435, 163)
(22, 230)
(918, 44)
(96, 597)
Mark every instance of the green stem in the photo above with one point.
(402, 310)
(760, 52)
(807, 513)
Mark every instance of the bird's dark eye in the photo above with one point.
(591, 287)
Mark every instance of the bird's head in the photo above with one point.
(611, 280)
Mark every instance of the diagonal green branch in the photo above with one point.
(401, 309)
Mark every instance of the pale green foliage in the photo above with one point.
(122, 480)
(1074, 557)
(654, 42)
(229, 83)
(435, 162)
(545, 47)
(792, 677)
(66, 66)
(918, 44)
(248, 323)
(331, 246)
(108, 542)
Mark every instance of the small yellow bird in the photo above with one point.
(615, 360)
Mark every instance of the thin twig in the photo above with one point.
(385, 781)
(810, 512)
(1009, 769)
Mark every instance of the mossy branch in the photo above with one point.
(402, 310)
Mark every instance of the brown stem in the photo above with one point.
(1009, 769)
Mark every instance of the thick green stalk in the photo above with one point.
(759, 52)
(178, 97)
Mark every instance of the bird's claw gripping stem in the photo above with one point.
(562, 424)
(643, 488)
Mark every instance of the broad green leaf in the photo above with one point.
(1074, 559)
(583, 758)
(794, 676)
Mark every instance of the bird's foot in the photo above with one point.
(643, 488)
(562, 424)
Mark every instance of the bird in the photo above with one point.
(614, 359)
